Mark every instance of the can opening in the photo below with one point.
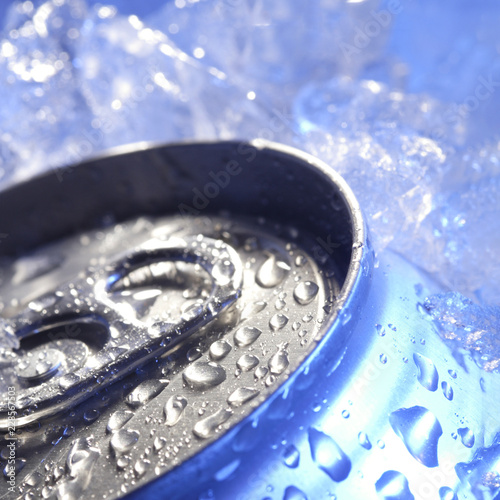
(195, 179)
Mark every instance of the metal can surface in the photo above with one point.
(207, 320)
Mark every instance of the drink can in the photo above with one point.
(209, 321)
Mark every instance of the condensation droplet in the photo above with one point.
(144, 392)
(209, 425)
(420, 431)
(272, 272)
(291, 457)
(247, 362)
(193, 354)
(466, 436)
(219, 350)
(278, 321)
(446, 493)
(305, 292)
(252, 309)
(223, 271)
(141, 467)
(447, 390)
(246, 335)
(279, 362)
(392, 485)
(242, 395)
(364, 441)
(118, 419)
(124, 440)
(427, 373)
(203, 375)
(293, 493)
(328, 455)
(173, 409)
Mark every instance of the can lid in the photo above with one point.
(223, 265)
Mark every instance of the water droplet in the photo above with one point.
(482, 384)
(293, 493)
(364, 441)
(447, 390)
(118, 419)
(279, 304)
(446, 493)
(246, 335)
(427, 373)
(159, 443)
(69, 430)
(123, 462)
(144, 392)
(252, 309)
(141, 467)
(467, 436)
(300, 261)
(383, 358)
(380, 330)
(209, 425)
(227, 470)
(328, 455)
(392, 485)
(193, 354)
(261, 372)
(346, 414)
(278, 321)
(247, 362)
(291, 457)
(223, 271)
(203, 375)
(219, 350)
(307, 318)
(91, 415)
(305, 292)
(420, 431)
(272, 272)
(279, 362)
(295, 326)
(124, 440)
(173, 409)
(241, 395)
(381, 444)
(453, 373)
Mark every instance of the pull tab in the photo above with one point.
(56, 391)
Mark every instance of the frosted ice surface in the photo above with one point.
(264, 43)
(468, 326)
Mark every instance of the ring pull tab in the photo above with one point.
(63, 389)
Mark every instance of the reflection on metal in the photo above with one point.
(246, 349)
